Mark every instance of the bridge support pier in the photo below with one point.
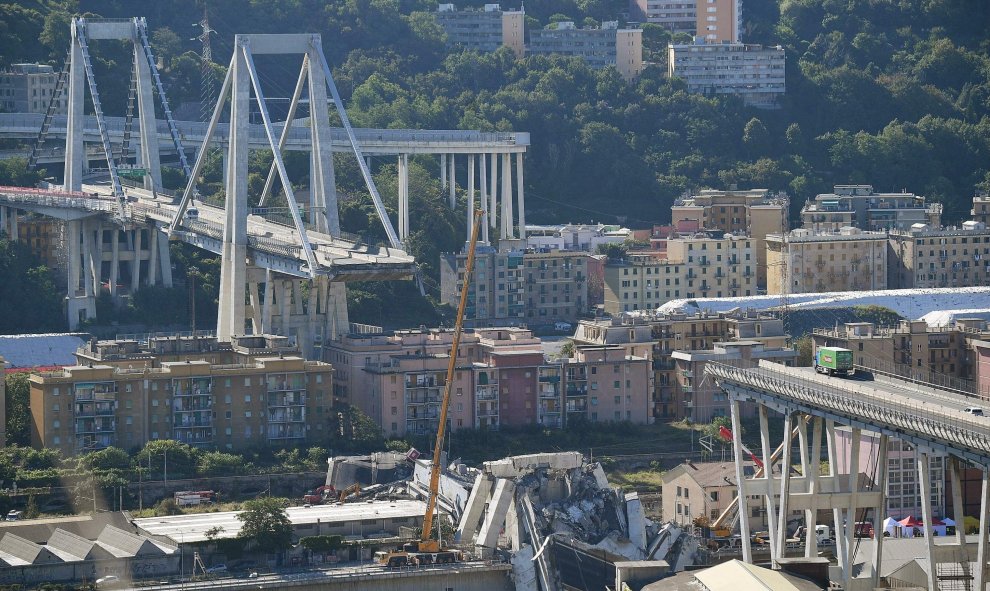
(452, 182)
(8, 222)
(80, 303)
(310, 310)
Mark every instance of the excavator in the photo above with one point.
(320, 495)
(428, 550)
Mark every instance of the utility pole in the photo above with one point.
(207, 81)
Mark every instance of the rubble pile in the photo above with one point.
(533, 506)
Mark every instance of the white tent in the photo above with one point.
(894, 529)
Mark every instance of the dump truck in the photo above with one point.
(834, 361)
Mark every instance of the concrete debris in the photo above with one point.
(539, 500)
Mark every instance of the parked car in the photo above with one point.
(975, 411)
(217, 569)
(107, 582)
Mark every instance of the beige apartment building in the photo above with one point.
(695, 490)
(806, 262)
(913, 348)
(264, 397)
(861, 207)
(484, 30)
(677, 16)
(605, 383)
(657, 337)
(530, 287)
(699, 266)
(754, 213)
(925, 257)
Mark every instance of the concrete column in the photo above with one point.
(507, 229)
(266, 314)
(149, 153)
(743, 510)
(115, 263)
(483, 183)
(785, 485)
(879, 511)
(403, 169)
(520, 198)
(768, 475)
(470, 197)
(833, 472)
(136, 261)
(811, 515)
(233, 270)
(982, 575)
(87, 255)
(925, 486)
(253, 295)
(958, 514)
(164, 258)
(323, 182)
(79, 306)
(75, 150)
(474, 508)
(851, 507)
(493, 192)
(443, 171)
(153, 255)
(452, 181)
(495, 516)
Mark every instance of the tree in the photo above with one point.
(107, 459)
(166, 507)
(31, 301)
(614, 252)
(18, 414)
(219, 463)
(161, 454)
(266, 524)
(806, 350)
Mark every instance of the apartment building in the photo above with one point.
(43, 235)
(704, 264)
(705, 490)
(862, 207)
(657, 337)
(484, 30)
(700, 399)
(535, 286)
(753, 72)
(981, 209)
(136, 395)
(28, 88)
(807, 262)
(754, 213)
(575, 237)
(600, 47)
(903, 493)
(948, 257)
(605, 383)
(950, 355)
(719, 21)
(677, 16)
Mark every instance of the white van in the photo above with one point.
(562, 326)
(975, 411)
(14, 515)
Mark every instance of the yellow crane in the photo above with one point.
(429, 550)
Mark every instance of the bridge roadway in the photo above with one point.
(372, 141)
(272, 245)
(904, 410)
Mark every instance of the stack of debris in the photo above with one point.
(545, 509)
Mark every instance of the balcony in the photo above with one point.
(487, 412)
(286, 399)
(577, 389)
(188, 421)
(96, 392)
(421, 398)
(573, 407)
(552, 422)
(287, 431)
(95, 409)
(293, 415)
(286, 382)
(427, 383)
(550, 394)
(90, 442)
(549, 379)
(196, 436)
(486, 394)
(192, 404)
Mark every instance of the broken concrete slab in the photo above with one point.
(519, 466)
(497, 510)
(524, 569)
(475, 508)
(636, 520)
(600, 477)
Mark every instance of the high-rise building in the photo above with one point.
(861, 207)
(702, 264)
(28, 88)
(949, 257)
(808, 262)
(754, 212)
(532, 286)
(253, 391)
(677, 16)
(753, 72)
(719, 21)
(599, 47)
(484, 30)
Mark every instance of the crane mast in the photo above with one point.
(426, 541)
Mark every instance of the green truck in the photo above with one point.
(834, 361)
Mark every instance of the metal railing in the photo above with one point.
(928, 421)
